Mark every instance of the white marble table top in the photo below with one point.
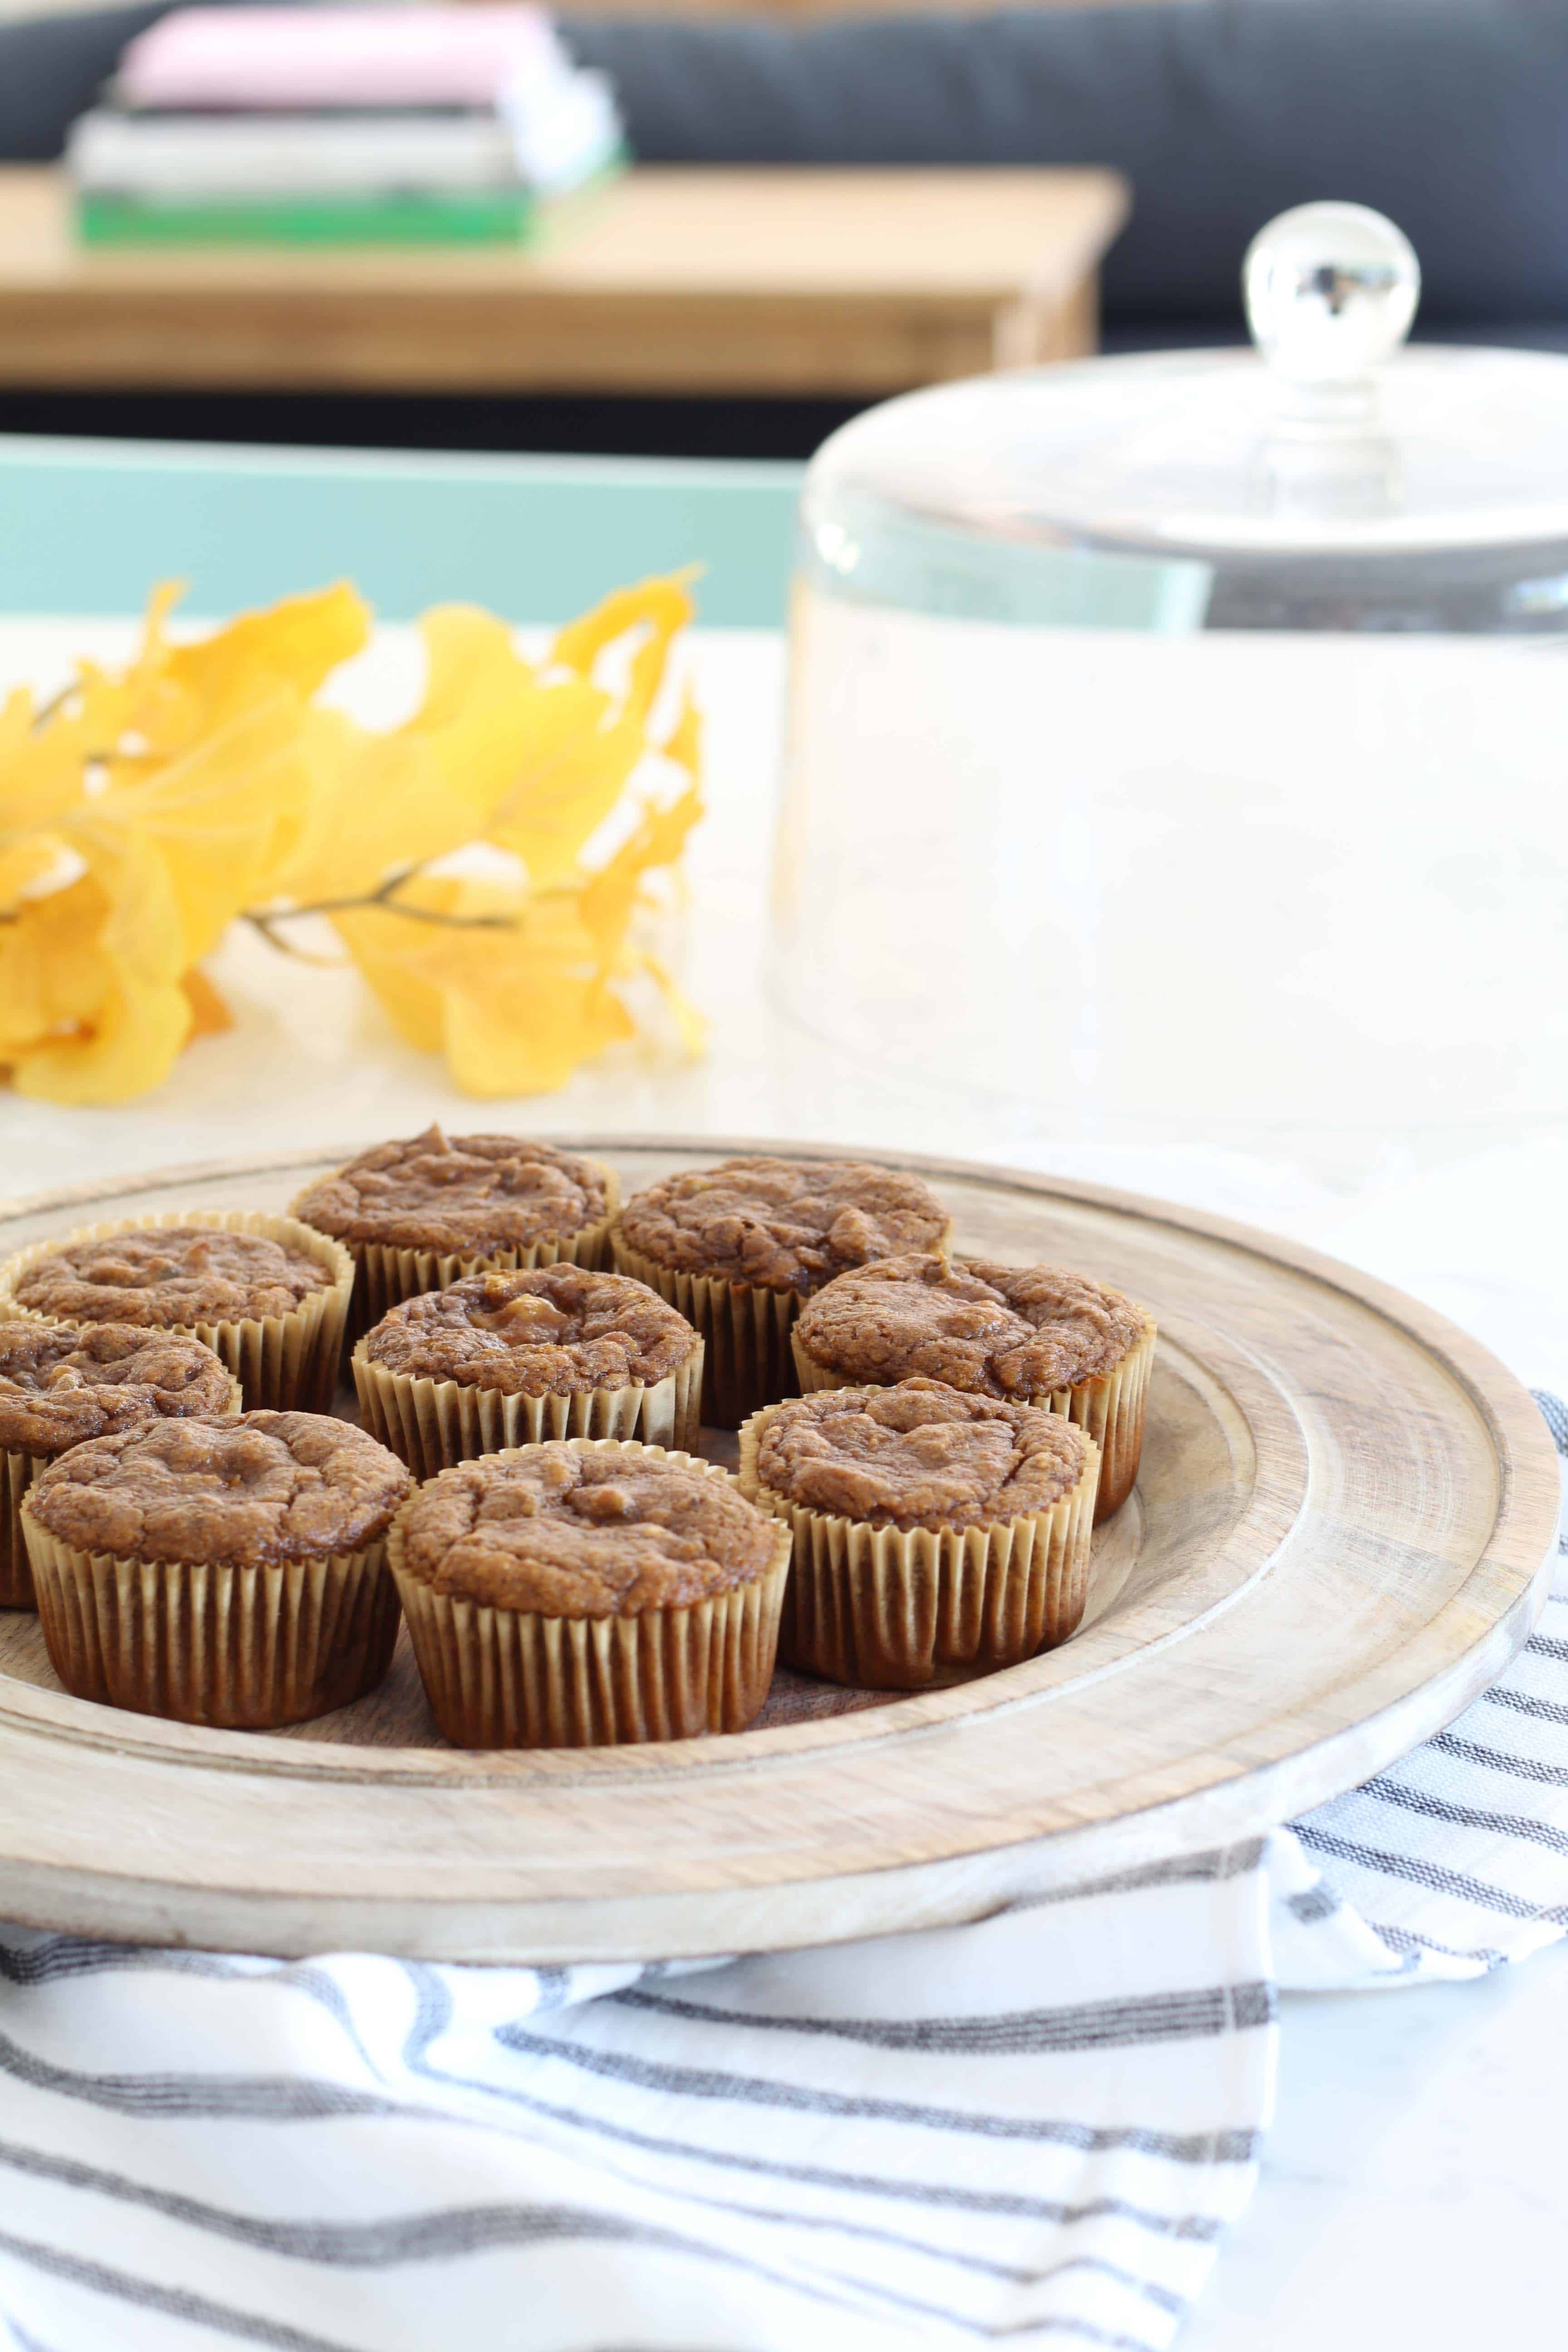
(1413, 2190)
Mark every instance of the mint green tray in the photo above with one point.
(86, 526)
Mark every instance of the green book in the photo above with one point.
(465, 216)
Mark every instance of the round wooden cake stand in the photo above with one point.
(1343, 1529)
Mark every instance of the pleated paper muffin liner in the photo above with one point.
(283, 1362)
(513, 1678)
(749, 1330)
(745, 1329)
(18, 1472)
(1111, 1409)
(385, 1277)
(237, 1648)
(433, 1424)
(891, 1610)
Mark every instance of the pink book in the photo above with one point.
(335, 56)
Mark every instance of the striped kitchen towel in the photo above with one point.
(1035, 2128)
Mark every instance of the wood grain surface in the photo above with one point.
(798, 280)
(1343, 1528)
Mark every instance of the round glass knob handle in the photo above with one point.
(1331, 290)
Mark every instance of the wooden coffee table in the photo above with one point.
(783, 281)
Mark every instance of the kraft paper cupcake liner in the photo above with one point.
(746, 1330)
(1111, 1409)
(237, 1648)
(433, 1424)
(385, 1277)
(891, 1610)
(18, 1472)
(513, 1678)
(283, 1362)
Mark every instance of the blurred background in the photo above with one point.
(1446, 114)
(1174, 797)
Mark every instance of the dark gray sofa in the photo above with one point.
(1453, 119)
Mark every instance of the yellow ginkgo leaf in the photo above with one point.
(683, 744)
(29, 863)
(515, 1008)
(54, 974)
(655, 611)
(418, 790)
(130, 1043)
(185, 691)
(582, 756)
(587, 742)
(225, 816)
(461, 854)
(609, 899)
(691, 1025)
(210, 1015)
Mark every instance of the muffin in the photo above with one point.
(587, 1592)
(60, 1385)
(266, 1294)
(1031, 1334)
(419, 1214)
(506, 1360)
(738, 1247)
(935, 1533)
(223, 1573)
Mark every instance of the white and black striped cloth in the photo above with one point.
(1035, 2128)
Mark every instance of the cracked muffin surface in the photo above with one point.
(781, 1225)
(993, 1330)
(263, 1488)
(550, 1331)
(60, 1385)
(585, 1532)
(462, 1195)
(921, 1455)
(169, 1278)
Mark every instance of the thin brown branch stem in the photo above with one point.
(385, 897)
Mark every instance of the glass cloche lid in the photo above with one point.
(1329, 479)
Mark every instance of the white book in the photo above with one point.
(553, 133)
(281, 156)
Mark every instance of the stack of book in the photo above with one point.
(370, 125)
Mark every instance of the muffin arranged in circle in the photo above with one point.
(221, 1571)
(1033, 1334)
(505, 1359)
(267, 1293)
(417, 1214)
(61, 1384)
(935, 1532)
(589, 1591)
(737, 1247)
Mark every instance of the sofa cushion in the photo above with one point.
(53, 68)
(1448, 117)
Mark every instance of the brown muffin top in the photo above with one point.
(919, 1456)
(572, 1532)
(552, 1331)
(993, 1330)
(171, 1278)
(465, 1195)
(267, 1486)
(60, 1385)
(781, 1225)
